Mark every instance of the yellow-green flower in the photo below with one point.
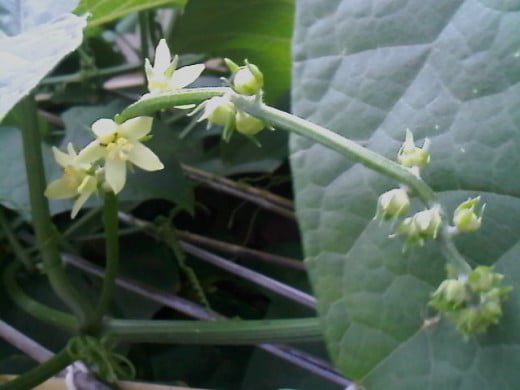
(118, 145)
(78, 180)
(163, 75)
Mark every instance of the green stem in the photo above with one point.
(220, 332)
(144, 32)
(307, 129)
(334, 141)
(452, 253)
(45, 233)
(149, 104)
(81, 76)
(16, 247)
(111, 222)
(40, 373)
(34, 308)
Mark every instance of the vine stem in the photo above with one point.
(40, 373)
(280, 119)
(111, 221)
(218, 332)
(36, 309)
(45, 233)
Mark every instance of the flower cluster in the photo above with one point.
(424, 224)
(395, 203)
(247, 80)
(474, 301)
(104, 162)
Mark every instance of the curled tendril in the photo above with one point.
(99, 356)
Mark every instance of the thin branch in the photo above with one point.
(253, 276)
(262, 198)
(24, 343)
(240, 251)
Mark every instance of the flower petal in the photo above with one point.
(103, 127)
(79, 203)
(186, 75)
(162, 57)
(63, 159)
(136, 128)
(90, 153)
(144, 158)
(148, 69)
(60, 189)
(115, 174)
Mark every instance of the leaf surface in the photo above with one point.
(448, 71)
(259, 31)
(34, 37)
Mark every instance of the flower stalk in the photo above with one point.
(44, 229)
(111, 222)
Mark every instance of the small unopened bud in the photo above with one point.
(483, 279)
(465, 218)
(412, 156)
(246, 80)
(218, 110)
(428, 222)
(392, 204)
(248, 124)
(451, 294)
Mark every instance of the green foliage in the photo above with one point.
(448, 71)
(103, 11)
(34, 37)
(257, 30)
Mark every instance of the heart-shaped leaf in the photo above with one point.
(448, 71)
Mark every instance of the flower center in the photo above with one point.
(119, 149)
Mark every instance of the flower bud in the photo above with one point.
(465, 218)
(483, 279)
(451, 294)
(246, 80)
(392, 204)
(218, 110)
(248, 124)
(473, 302)
(428, 222)
(410, 155)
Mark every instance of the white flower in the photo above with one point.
(118, 144)
(163, 76)
(78, 181)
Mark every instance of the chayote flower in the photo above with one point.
(465, 218)
(410, 155)
(248, 124)
(392, 204)
(246, 80)
(163, 75)
(79, 180)
(118, 145)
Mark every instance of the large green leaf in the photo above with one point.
(447, 70)
(257, 30)
(34, 37)
(103, 11)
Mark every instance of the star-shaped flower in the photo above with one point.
(118, 145)
(163, 75)
(79, 180)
